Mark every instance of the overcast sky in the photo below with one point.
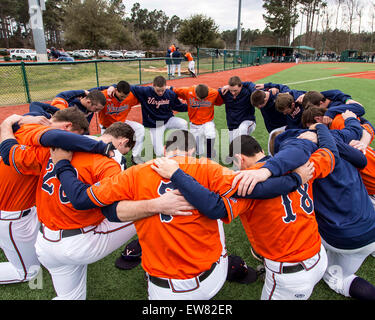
(224, 12)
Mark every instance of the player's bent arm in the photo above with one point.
(73, 142)
(326, 140)
(44, 109)
(128, 210)
(352, 155)
(212, 204)
(177, 105)
(335, 95)
(354, 107)
(75, 190)
(294, 154)
(297, 152)
(71, 94)
(352, 130)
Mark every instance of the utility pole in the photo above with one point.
(36, 23)
(238, 27)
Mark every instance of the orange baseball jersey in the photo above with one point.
(189, 56)
(368, 173)
(177, 247)
(338, 123)
(115, 110)
(30, 134)
(172, 48)
(284, 228)
(54, 208)
(18, 191)
(199, 111)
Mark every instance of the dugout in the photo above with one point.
(278, 53)
(351, 56)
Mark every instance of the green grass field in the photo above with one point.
(105, 282)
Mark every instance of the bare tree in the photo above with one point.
(372, 21)
(351, 6)
(359, 11)
(338, 3)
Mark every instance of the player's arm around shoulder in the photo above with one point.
(325, 157)
(182, 92)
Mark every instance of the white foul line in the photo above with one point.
(332, 77)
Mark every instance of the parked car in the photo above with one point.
(115, 55)
(140, 54)
(130, 54)
(83, 54)
(26, 54)
(103, 53)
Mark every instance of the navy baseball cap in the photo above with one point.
(238, 271)
(130, 257)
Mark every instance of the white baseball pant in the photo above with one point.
(299, 285)
(246, 127)
(201, 133)
(173, 69)
(139, 133)
(66, 258)
(191, 66)
(17, 239)
(192, 289)
(343, 264)
(157, 134)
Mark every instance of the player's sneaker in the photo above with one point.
(334, 278)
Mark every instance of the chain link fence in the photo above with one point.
(23, 82)
(211, 60)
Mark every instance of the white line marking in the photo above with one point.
(332, 77)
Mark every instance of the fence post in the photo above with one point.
(140, 72)
(25, 82)
(97, 74)
(213, 64)
(197, 60)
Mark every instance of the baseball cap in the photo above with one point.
(130, 257)
(238, 271)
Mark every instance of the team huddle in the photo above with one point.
(67, 198)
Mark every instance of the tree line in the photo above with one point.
(332, 25)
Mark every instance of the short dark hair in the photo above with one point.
(201, 91)
(121, 130)
(309, 114)
(159, 81)
(123, 87)
(283, 101)
(235, 81)
(182, 140)
(313, 97)
(97, 97)
(245, 145)
(257, 98)
(73, 115)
